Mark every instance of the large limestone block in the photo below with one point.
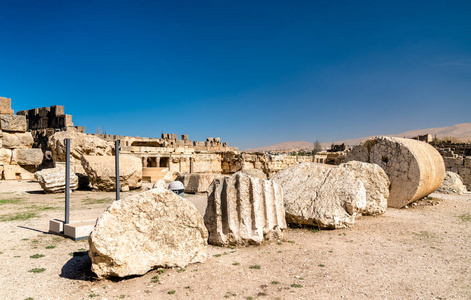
(80, 144)
(5, 106)
(53, 180)
(145, 231)
(255, 173)
(197, 182)
(243, 210)
(376, 183)
(5, 156)
(15, 172)
(101, 172)
(13, 123)
(321, 195)
(17, 140)
(27, 157)
(415, 169)
(452, 184)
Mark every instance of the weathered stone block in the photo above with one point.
(57, 110)
(321, 195)
(17, 140)
(376, 184)
(145, 231)
(101, 171)
(452, 184)
(5, 156)
(13, 123)
(53, 180)
(197, 182)
(243, 210)
(5, 106)
(27, 157)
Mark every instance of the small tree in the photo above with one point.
(317, 148)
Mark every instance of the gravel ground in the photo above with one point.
(422, 252)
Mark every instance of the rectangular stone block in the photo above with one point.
(80, 129)
(17, 140)
(57, 110)
(27, 157)
(13, 123)
(5, 156)
(44, 111)
(79, 230)
(22, 113)
(64, 121)
(5, 106)
(464, 171)
(10, 172)
(56, 226)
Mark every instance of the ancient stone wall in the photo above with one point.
(18, 159)
(461, 166)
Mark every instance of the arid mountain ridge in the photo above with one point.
(461, 132)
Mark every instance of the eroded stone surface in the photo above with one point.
(13, 123)
(452, 184)
(17, 140)
(5, 156)
(243, 210)
(152, 229)
(415, 169)
(53, 180)
(27, 157)
(376, 183)
(5, 106)
(255, 173)
(321, 195)
(101, 172)
(80, 144)
(197, 182)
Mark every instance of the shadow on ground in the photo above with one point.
(78, 267)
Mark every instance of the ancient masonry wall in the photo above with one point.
(18, 159)
(457, 158)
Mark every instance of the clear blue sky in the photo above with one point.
(254, 73)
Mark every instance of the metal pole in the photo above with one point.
(67, 180)
(116, 147)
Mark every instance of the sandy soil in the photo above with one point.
(422, 252)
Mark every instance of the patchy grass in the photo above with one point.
(37, 270)
(235, 264)
(36, 256)
(155, 279)
(256, 267)
(297, 285)
(464, 217)
(187, 287)
(275, 282)
(89, 201)
(426, 235)
(179, 270)
(217, 255)
(11, 201)
(160, 270)
(21, 216)
(50, 247)
(171, 292)
(321, 265)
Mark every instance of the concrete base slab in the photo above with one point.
(56, 226)
(79, 230)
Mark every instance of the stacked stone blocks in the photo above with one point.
(18, 158)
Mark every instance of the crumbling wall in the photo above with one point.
(461, 166)
(18, 159)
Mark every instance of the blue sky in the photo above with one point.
(254, 73)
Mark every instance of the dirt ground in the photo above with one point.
(422, 252)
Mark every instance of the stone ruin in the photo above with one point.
(18, 159)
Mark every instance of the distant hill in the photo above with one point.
(461, 132)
